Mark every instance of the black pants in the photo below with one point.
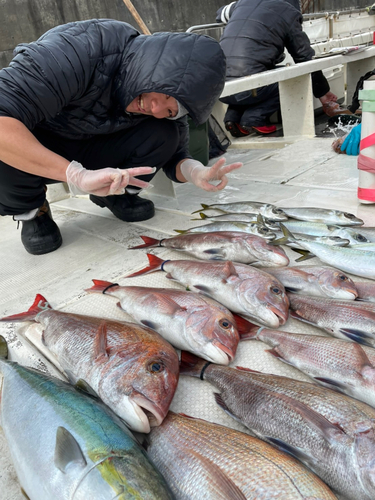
(252, 111)
(150, 144)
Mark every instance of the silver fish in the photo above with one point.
(327, 240)
(315, 280)
(188, 320)
(368, 232)
(229, 217)
(266, 209)
(323, 215)
(369, 246)
(66, 445)
(348, 233)
(349, 260)
(131, 368)
(223, 245)
(333, 434)
(304, 227)
(343, 319)
(204, 460)
(243, 227)
(337, 364)
(243, 289)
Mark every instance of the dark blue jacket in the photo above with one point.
(257, 33)
(78, 78)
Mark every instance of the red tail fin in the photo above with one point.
(99, 286)
(191, 365)
(155, 265)
(246, 329)
(40, 304)
(149, 242)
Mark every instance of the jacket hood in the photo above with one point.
(186, 66)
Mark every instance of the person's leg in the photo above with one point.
(233, 116)
(260, 107)
(22, 195)
(152, 144)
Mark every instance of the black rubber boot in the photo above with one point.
(40, 233)
(127, 207)
(236, 130)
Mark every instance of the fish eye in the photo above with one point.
(155, 367)
(342, 277)
(264, 230)
(360, 237)
(277, 211)
(224, 323)
(349, 216)
(276, 290)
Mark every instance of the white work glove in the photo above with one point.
(207, 178)
(105, 181)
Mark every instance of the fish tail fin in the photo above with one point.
(287, 238)
(305, 254)
(204, 207)
(100, 286)
(180, 231)
(39, 304)
(191, 365)
(246, 329)
(155, 265)
(149, 242)
(3, 348)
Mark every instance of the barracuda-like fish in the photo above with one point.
(333, 434)
(343, 366)
(245, 290)
(348, 320)
(243, 227)
(349, 260)
(316, 280)
(204, 460)
(248, 207)
(366, 291)
(66, 445)
(323, 215)
(223, 245)
(131, 368)
(189, 321)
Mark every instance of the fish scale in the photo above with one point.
(260, 471)
(333, 434)
(342, 365)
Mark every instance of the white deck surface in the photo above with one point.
(307, 173)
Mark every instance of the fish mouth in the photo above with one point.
(280, 315)
(225, 352)
(150, 411)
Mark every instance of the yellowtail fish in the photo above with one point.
(66, 445)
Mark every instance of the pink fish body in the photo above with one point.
(131, 368)
(189, 321)
(245, 290)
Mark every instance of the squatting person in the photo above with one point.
(99, 106)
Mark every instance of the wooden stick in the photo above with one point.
(137, 17)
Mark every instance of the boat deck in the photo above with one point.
(306, 173)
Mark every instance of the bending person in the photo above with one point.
(101, 107)
(253, 41)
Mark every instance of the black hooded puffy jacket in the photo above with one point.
(78, 78)
(257, 33)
